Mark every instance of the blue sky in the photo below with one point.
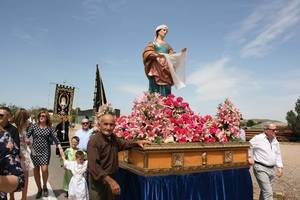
(245, 50)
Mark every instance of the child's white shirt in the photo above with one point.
(78, 189)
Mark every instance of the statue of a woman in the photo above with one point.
(163, 66)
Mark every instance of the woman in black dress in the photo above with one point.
(42, 135)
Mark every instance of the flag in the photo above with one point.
(99, 94)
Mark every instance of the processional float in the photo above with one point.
(192, 156)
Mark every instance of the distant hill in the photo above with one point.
(260, 123)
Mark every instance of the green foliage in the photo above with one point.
(293, 119)
(158, 140)
(250, 123)
(33, 111)
(12, 107)
(243, 123)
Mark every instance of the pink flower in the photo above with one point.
(154, 116)
(229, 119)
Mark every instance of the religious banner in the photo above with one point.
(99, 94)
(63, 100)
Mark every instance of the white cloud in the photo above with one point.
(92, 9)
(268, 106)
(216, 81)
(96, 9)
(275, 96)
(30, 35)
(268, 23)
(21, 34)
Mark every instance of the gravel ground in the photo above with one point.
(289, 183)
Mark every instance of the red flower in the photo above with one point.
(179, 99)
(185, 105)
(173, 120)
(156, 116)
(168, 102)
(175, 104)
(171, 96)
(179, 121)
(168, 112)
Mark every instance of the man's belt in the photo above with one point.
(262, 164)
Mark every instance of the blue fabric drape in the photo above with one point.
(163, 90)
(233, 184)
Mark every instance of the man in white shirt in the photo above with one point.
(84, 134)
(265, 156)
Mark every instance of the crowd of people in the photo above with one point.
(91, 157)
(25, 147)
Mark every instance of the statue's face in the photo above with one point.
(163, 32)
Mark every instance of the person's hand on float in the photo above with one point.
(279, 171)
(250, 161)
(141, 143)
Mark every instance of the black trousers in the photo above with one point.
(98, 190)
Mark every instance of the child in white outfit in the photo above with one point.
(78, 189)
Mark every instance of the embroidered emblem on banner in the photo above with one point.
(63, 100)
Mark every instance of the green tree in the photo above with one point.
(250, 123)
(293, 119)
(12, 107)
(74, 113)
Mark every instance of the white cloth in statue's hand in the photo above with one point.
(176, 64)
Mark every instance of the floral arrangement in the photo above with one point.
(170, 119)
(229, 119)
(105, 109)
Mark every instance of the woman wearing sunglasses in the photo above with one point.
(42, 135)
